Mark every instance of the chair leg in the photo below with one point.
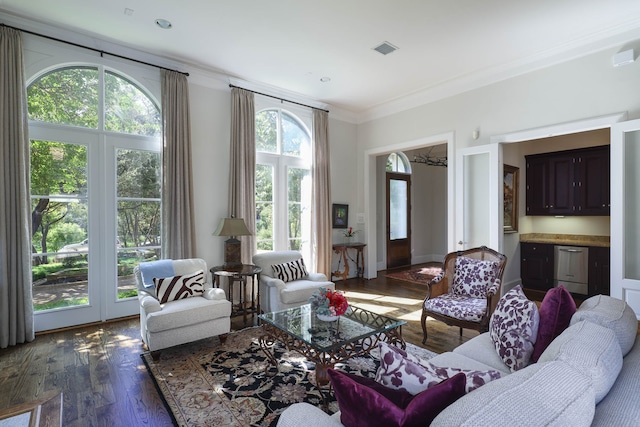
(460, 331)
(424, 327)
(155, 355)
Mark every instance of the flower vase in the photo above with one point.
(327, 318)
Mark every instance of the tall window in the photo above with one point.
(283, 182)
(95, 183)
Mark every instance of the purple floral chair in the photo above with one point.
(466, 292)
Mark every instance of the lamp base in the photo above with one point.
(232, 253)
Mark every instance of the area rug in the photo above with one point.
(207, 383)
(420, 275)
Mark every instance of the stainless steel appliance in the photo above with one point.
(572, 268)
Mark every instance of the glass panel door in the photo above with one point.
(299, 213)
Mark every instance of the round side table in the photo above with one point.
(239, 274)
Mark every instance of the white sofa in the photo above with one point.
(184, 320)
(588, 375)
(275, 294)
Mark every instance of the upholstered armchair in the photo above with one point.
(178, 303)
(285, 281)
(466, 292)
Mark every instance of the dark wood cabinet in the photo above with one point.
(599, 271)
(536, 265)
(573, 182)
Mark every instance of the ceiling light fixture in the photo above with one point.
(163, 23)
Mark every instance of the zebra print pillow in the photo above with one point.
(179, 287)
(289, 271)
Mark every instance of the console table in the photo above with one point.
(342, 249)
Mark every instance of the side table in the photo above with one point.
(341, 249)
(239, 274)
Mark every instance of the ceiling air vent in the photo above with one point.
(385, 48)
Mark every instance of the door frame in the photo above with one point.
(370, 193)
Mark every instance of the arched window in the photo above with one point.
(283, 181)
(398, 162)
(95, 185)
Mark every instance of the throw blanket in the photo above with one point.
(160, 268)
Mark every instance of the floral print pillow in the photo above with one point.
(514, 328)
(403, 371)
(473, 277)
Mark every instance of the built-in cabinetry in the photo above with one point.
(572, 182)
(537, 268)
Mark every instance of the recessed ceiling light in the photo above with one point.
(325, 79)
(128, 12)
(163, 23)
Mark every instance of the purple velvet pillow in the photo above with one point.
(556, 311)
(365, 403)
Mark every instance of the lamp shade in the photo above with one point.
(232, 227)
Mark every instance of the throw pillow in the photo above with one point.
(555, 315)
(289, 271)
(513, 328)
(363, 402)
(473, 276)
(179, 287)
(403, 371)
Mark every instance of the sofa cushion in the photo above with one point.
(458, 306)
(290, 271)
(593, 350)
(403, 371)
(186, 312)
(473, 276)
(542, 394)
(514, 328)
(179, 287)
(482, 350)
(363, 402)
(555, 315)
(612, 313)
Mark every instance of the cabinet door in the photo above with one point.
(536, 265)
(593, 182)
(561, 185)
(537, 185)
(599, 271)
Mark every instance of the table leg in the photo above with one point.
(266, 343)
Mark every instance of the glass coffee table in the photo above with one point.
(356, 332)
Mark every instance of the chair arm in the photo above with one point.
(318, 277)
(437, 286)
(214, 294)
(272, 282)
(150, 304)
(493, 296)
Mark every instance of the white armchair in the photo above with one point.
(276, 294)
(183, 320)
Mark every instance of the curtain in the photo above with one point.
(16, 306)
(242, 186)
(321, 197)
(178, 235)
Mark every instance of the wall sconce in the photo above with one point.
(232, 227)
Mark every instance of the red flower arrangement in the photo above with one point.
(329, 303)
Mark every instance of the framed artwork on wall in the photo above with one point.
(340, 215)
(510, 199)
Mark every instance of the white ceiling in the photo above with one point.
(444, 46)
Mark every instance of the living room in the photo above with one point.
(560, 91)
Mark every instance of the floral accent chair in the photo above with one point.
(466, 292)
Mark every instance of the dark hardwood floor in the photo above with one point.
(105, 382)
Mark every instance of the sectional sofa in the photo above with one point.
(588, 375)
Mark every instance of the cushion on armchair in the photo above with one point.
(473, 277)
(179, 287)
(289, 271)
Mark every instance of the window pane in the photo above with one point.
(295, 141)
(58, 168)
(128, 109)
(298, 189)
(138, 223)
(138, 174)
(267, 131)
(398, 209)
(264, 206)
(66, 96)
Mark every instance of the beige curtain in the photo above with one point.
(16, 309)
(321, 198)
(178, 235)
(242, 186)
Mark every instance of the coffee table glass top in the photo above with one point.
(357, 323)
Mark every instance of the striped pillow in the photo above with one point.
(179, 287)
(289, 271)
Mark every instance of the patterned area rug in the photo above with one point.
(419, 275)
(207, 383)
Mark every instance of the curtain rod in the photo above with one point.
(101, 52)
(278, 98)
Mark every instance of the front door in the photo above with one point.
(398, 220)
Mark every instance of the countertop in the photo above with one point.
(566, 239)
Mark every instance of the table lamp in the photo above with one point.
(232, 227)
